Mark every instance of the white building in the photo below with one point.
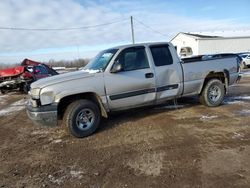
(195, 44)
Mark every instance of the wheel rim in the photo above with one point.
(214, 93)
(85, 119)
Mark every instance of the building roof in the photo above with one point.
(196, 36)
(201, 36)
(208, 37)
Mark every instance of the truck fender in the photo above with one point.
(103, 110)
(223, 76)
(66, 100)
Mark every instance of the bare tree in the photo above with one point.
(68, 63)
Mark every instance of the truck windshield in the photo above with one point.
(100, 62)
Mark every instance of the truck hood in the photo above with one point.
(62, 78)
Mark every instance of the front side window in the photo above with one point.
(133, 59)
(41, 70)
(161, 55)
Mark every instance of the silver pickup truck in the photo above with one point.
(126, 77)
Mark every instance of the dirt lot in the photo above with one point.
(188, 145)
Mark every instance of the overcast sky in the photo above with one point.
(165, 17)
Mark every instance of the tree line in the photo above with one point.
(68, 63)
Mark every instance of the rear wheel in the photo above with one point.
(82, 117)
(213, 93)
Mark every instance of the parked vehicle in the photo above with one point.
(21, 77)
(186, 52)
(127, 77)
(245, 59)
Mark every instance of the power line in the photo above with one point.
(60, 29)
(150, 28)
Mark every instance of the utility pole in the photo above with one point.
(132, 29)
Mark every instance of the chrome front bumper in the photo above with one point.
(43, 116)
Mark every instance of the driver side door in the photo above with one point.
(134, 84)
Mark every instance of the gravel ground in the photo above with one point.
(184, 145)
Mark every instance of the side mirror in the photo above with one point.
(117, 67)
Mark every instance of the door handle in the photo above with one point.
(149, 75)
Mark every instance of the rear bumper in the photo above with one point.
(43, 116)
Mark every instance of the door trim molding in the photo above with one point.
(131, 94)
(167, 87)
(143, 91)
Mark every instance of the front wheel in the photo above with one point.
(2, 91)
(213, 93)
(82, 118)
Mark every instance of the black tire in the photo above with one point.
(213, 93)
(2, 91)
(26, 88)
(82, 117)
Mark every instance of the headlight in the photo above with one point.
(35, 92)
(46, 97)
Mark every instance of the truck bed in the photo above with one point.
(195, 70)
(207, 57)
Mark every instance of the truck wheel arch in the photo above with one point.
(65, 101)
(214, 98)
(223, 76)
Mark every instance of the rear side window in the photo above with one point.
(161, 55)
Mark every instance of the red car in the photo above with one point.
(21, 77)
